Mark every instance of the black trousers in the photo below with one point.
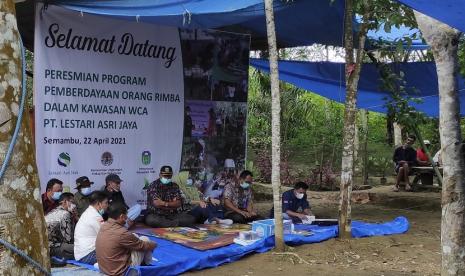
(238, 218)
(64, 251)
(173, 220)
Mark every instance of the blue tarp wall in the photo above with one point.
(298, 22)
(451, 12)
(328, 79)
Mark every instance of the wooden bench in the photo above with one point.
(425, 174)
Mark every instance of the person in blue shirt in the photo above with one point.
(295, 203)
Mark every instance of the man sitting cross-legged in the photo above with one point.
(295, 203)
(60, 227)
(88, 227)
(164, 201)
(238, 199)
(117, 249)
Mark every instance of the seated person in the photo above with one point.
(164, 202)
(81, 197)
(113, 191)
(60, 227)
(238, 199)
(117, 249)
(52, 193)
(88, 227)
(422, 157)
(295, 203)
(437, 158)
(405, 157)
(209, 209)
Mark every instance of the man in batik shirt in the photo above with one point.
(164, 203)
(60, 227)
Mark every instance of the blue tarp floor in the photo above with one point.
(174, 259)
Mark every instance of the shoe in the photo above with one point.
(225, 221)
(210, 222)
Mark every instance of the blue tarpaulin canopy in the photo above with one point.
(451, 12)
(327, 79)
(298, 22)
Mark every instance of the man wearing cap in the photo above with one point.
(422, 158)
(81, 197)
(113, 189)
(164, 202)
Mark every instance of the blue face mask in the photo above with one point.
(189, 182)
(86, 191)
(165, 180)
(56, 195)
(101, 212)
(245, 185)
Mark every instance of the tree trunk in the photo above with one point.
(21, 217)
(275, 126)
(352, 70)
(390, 128)
(357, 147)
(364, 119)
(397, 134)
(443, 41)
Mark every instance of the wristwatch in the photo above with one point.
(166, 204)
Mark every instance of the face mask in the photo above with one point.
(86, 191)
(71, 207)
(165, 180)
(101, 212)
(56, 195)
(299, 195)
(245, 185)
(189, 182)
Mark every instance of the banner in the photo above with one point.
(113, 96)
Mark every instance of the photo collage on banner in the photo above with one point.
(215, 113)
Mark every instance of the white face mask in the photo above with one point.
(71, 207)
(86, 191)
(299, 195)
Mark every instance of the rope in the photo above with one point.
(8, 156)
(24, 256)
(20, 114)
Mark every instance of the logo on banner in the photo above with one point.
(64, 159)
(107, 158)
(146, 157)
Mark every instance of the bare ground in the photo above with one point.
(414, 253)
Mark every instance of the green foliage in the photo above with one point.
(311, 129)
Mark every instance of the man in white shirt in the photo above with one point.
(88, 227)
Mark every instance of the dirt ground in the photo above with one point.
(415, 253)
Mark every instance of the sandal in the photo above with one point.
(395, 189)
